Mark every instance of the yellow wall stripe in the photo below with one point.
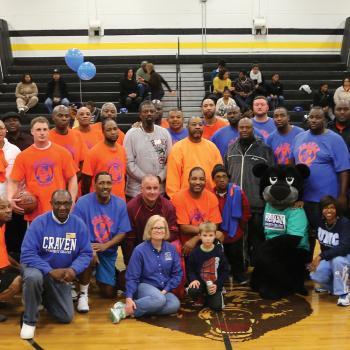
(333, 45)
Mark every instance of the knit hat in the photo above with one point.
(218, 168)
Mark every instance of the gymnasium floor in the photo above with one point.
(312, 322)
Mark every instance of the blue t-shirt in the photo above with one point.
(225, 137)
(265, 128)
(282, 145)
(326, 155)
(104, 221)
(177, 136)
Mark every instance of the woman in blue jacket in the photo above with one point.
(153, 272)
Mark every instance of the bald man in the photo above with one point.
(240, 159)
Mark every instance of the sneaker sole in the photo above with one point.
(343, 305)
(83, 311)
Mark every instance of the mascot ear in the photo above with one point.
(303, 170)
(259, 169)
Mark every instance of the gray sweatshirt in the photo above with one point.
(147, 153)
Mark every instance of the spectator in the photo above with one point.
(224, 103)
(235, 212)
(221, 66)
(56, 92)
(239, 162)
(324, 98)
(26, 94)
(194, 206)
(244, 91)
(95, 112)
(281, 140)
(51, 258)
(261, 120)
(256, 76)
(107, 222)
(176, 125)
(150, 280)
(220, 82)
(274, 92)
(331, 267)
(155, 82)
(188, 153)
(207, 263)
(108, 156)
(158, 119)
(142, 77)
(129, 95)
(147, 149)
(342, 93)
(212, 123)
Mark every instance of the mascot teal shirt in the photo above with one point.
(290, 221)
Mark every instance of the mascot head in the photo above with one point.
(281, 185)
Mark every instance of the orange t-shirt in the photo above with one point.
(72, 142)
(98, 127)
(91, 138)
(43, 171)
(209, 130)
(164, 123)
(194, 211)
(103, 158)
(186, 155)
(3, 166)
(4, 258)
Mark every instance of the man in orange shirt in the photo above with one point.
(62, 135)
(108, 156)
(194, 206)
(211, 122)
(90, 135)
(10, 280)
(44, 167)
(108, 111)
(188, 153)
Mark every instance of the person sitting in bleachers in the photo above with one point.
(225, 103)
(342, 93)
(142, 76)
(324, 98)
(56, 92)
(26, 94)
(155, 83)
(220, 82)
(221, 65)
(129, 95)
(274, 92)
(256, 75)
(244, 88)
(95, 112)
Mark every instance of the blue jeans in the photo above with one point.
(49, 103)
(333, 275)
(275, 102)
(150, 301)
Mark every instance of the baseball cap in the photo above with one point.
(56, 71)
(9, 115)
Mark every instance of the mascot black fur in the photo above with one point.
(280, 261)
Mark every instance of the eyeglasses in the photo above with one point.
(158, 228)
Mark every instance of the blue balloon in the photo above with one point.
(86, 71)
(74, 58)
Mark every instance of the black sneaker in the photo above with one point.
(241, 279)
(2, 318)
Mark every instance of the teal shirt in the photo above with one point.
(291, 221)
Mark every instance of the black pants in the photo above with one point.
(256, 236)
(214, 301)
(14, 234)
(235, 257)
(312, 211)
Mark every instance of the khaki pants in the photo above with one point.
(21, 103)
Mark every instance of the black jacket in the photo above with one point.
(62, 86)
(127, 87)
(274, 89)
(323, 100)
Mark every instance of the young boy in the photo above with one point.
(207, 269)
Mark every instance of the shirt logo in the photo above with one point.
(43, 171)
(308, 153)
(275, 221)
(196, 217)
(167, 256)
(330, 239)
(282, 153)
(115, 169)
(102, 228)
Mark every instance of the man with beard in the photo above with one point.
(192, 151)
(147, 149)
(282, 139)
(211, 122)
(240, 159)
(226, 136)
(176, 125)
(327, 156)
(195, 205)
(341, 124)
(107, 156)
(261, 120)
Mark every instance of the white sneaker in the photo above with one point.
(83, 304)
(27, 332)
(118, 305)
(117, 314)
(344, 301)
(73, 292)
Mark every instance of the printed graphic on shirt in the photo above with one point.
(308, 153)
(282, 153)
(275, 221)
(330, 239)
(115, 169)
(209, 270)
(44, 171)
(60, 245)
(167, 256)
(264, 133)
(196, 217)
(102, 227)
(160, 146)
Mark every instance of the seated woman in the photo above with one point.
(153, 271)
(26, 94)
(128, 91)
(220, 82)
(225, 103)
(342, 93)
(331, 267)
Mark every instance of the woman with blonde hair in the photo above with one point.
(153, 271)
